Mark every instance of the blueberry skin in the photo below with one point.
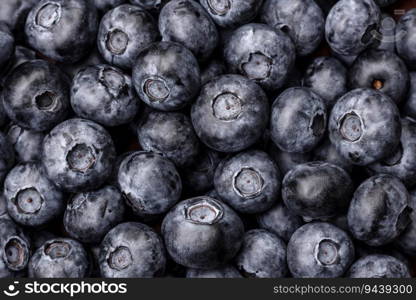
(230, 113)
(280, 221)
(213, 69)
(27, 144)
(249, 182)
(379, 266)
(36, 95)
(302, 20)
(132, 250)
(228, 271)
(124, 31)
(327, 77)
(380, 70)
(6, 157)
(106, 5)
(59, 258)
(317, 190)
(32, 199)
(230, 14)
(166, 76)
(319, 250)
(78, 155)
(402, 163)
(261, 53)
(14, 13)
(364, 126)
(104, 94)
(407, 240)
(186, 22)
(305, 127)
(150, 183)
(62, 30)
(262, 255)
(286, 161)
(379, 210)
(90, 215)
(409, 106)
(326, 151)
(363, 19)
(14, 248)
(6, 47)
(202, 233)
(406, 38)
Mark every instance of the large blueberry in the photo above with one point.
(230, 114)
(104, 94)
(202, 233)
(319, 250)
(78, 155)
(62, 30)
(365, 126)
(379, 211)
(298, 120)
(378, 266)
(261, 53)
(32, 199)
(124, 31)
(166, 76)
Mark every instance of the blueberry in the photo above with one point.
(228, 271)
(14, 247)
(36, 95)
(62, 30)
(32, 199)
(249, 181)
(380, 70)
(286, 161)
(27, 144)
(351, 26)
(213, 69)
(262, 255)
(186, 22)
(90, 215)
(364, 126)
(326, 151)
(409, 107)
(230, 113)
(402, 163)
(202, 233)
(166, 76)
(319, 250)
(150, 183)
(407, 240)
(280, 221)
(132, 250)
(327, 77)
(104, 94)
(378, 266)
(298, 120)
(59, 258)
(317, 190)
(6, 157)
(84, 158)
(124, 31)
(302, 20)
(106, 5)
(405, 38)
(6, 47)
(379, 210)
(261, 53)
(198, 177)
(229, 13)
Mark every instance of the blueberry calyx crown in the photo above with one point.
(120, 258)
(114, 82)
(351, 127)
(48, 15)
(116, 41)
(219, 7)
(46, 101)
(156, 89)
(318, 124)
(205, 212)
(15, 253)
(81, 158)
(248, 183)
(257, 67)
(326, 252)
(28, 201)
(227, 106)
(57, 249)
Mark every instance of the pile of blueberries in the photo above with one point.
(207, 138)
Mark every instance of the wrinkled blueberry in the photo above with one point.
(78, 155)
(27, 144)
(378, 266)
(228, 271)
(202, 233)
(230, 114)
(319, 250)
(364, 126)
(166, 76)
(261, 53)
(132, 250)
(379, 210)
(406, 38)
